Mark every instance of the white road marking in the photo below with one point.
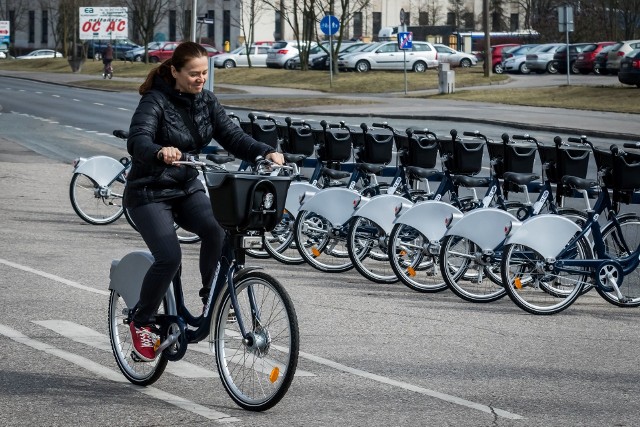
(123, 109)
(97, 103)
(114, 376)
(317, 359)
(56, 96)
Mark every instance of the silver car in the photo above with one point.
(282, 52)
(540, 59)
(388, 56)
(239, 57)
(454, 57)
(617, 52)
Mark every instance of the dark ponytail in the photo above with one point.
(184, 53)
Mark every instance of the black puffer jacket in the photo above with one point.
(158, 123)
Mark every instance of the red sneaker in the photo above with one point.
(142, 342)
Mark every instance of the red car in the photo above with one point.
(586, 59)
(496, 56)
(166, 50)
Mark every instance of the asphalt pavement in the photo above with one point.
(400, 105)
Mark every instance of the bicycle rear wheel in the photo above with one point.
(94, 204)
(367, 245)
(321, 245)
(280, 244)
(539, 287)
(136, 371)
(256, 372)
(620, 244)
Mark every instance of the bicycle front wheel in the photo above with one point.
(367, 246)
(279, 242)
(136, 371)
(621, 243)
(256, 371)
(95, 204)
(321, 245)
(539, 287)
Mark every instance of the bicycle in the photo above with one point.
(107, 71)
(249, 319)
(562, 258)
(470, 255)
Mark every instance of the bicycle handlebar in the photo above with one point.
(631, 145)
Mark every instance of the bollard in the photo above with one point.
(446, 79)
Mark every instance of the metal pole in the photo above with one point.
(487, 38)
(404, 53)
(566, 29)
(194, 17)
(330, 60)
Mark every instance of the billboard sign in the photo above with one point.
(5, 34)
(103, 23)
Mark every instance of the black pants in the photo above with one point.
(155, 224)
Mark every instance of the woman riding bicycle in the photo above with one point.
(107, 59)
(175, 116)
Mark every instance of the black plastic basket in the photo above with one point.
(336, 145)
(564, 161)
(377, 147)
(423, 152)
(621, 172)
(517, 158)
(243, 201)
(265, 131)
(466, 156)
(299, 140)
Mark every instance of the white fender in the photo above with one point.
(102, 169)
(296, 189)
(382, 210)
(547, 234)
(334, 204)
(126, 278)
(485, 227)
(429, 218)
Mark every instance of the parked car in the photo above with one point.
(137, 54)
(629, 73)
(454, 57)
(321, 62)
(517, 51)
(387, 56)
(120, 48)
(560, 57)
(239, 57)
(618, 51)
(600, 61)
(166, 50)
(585, 62)
(41, 54)
(496, 56)
(319, 51)
(281, 53)
(516, 64)
(540, 59)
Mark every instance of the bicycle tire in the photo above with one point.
(367, 246)
(619, 248)
(535, 289)
(413, 260)
(280, 242)
(319, 245)
(256, 374)
(95, 205)
(137, 372)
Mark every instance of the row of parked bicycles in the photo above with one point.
(436, 224)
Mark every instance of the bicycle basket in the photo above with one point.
(336, 146)
(247, 202)
(299, 140)
(564, 161)
(378, 147)
(517, 158)
(621, 172)
(467, 157)
(265, 131)
(423, 152)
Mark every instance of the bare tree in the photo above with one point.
(433, 9)
(146, 15)
(51, 6)
(526, 6)
(458, 9)
(13, 11)
(252, 11)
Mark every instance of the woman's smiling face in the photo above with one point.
(191, 78)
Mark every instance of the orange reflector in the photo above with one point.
(315, 251)
(411, 271)
(156, 344)
(273, 377)
(403, 253)
(517, 283)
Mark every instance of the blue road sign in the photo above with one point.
(329, 25)
(405, 40)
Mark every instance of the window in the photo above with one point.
(226, 26)
(172, 25)
(211, 28)
(391, 47)
(376, 18)
(277, 34)
(357, 25)
(421, 47)
(451, 19)
(32, 26)
(514, 22)
(44, 28)
(423, 18)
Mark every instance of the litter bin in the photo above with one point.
(446, 79)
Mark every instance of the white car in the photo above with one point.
(516, 64)
(239, 57)
(41, 53)
(282, 52)
(454, 57)
(388, 56)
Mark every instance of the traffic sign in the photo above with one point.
(4, 32)
(405, 41)
(329, 25)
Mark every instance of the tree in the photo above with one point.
(457, 9)
(14, 12)
(145, 16)
(252, 11)
(51, 6)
